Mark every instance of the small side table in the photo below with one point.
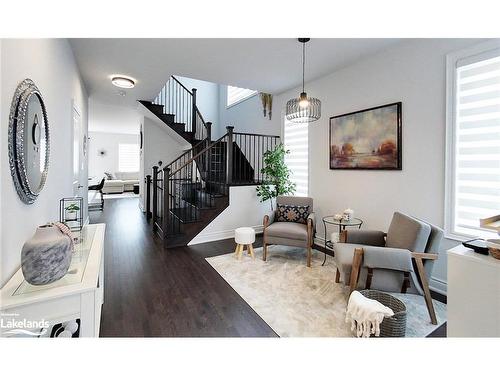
(342, 224)
(244, 236)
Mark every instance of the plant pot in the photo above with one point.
(70, 216)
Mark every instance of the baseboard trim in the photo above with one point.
(219, 235)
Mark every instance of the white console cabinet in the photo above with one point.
(473, 294)
(79, 294)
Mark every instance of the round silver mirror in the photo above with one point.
(28, 141)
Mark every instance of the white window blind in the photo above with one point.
(237, 94)
(128, 157)
(475, 181)
(296, 139)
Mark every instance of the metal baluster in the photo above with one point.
(193, 109)
(166, 196)
(254, 161)
(155, 195)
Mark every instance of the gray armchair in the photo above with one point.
(406, 252)
(290, 234)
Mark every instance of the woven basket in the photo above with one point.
(494, 247)
(394, 326)
(495, 253)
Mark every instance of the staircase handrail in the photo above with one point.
(193, 158)
(180, 83)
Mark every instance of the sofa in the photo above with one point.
(121, 181)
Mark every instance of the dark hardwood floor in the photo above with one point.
(153, 292)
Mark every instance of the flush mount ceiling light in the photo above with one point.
(123, 82)
(303, 109)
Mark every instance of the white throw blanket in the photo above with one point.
(365, 314)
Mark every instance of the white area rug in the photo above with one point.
(296, 301)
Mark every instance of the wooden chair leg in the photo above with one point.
(236, 251)
(250, 251)
(242, 249)
(264, 251)
(310, 241)
(357, 260)
(369, 277)
(406, 282)
(427, 292)
(337, 276)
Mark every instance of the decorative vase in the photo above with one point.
(46, 256)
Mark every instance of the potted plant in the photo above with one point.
(276, 176)
(71, 211)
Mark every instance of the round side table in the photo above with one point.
(342, 224)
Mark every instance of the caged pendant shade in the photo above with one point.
(303, 109)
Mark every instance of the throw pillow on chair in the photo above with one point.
(292, 214)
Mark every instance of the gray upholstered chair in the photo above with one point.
(408, 250)
(290, 234)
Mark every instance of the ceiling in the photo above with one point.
(269, 65)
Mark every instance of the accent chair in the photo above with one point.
(407, 250)
(98, 188)
(290, 233)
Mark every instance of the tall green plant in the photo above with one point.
(276, 174)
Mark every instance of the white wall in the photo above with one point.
(51, 65)
(108, 118)
(109, 142)
(245, 210)
(207, 97)
(246, 116)
(158, 145)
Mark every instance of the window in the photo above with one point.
(236, 95)
(473, 140)
(296, 138)
(128, 157)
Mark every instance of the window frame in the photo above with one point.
(240, 100)
(450, 154)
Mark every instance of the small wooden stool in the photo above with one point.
(244, 236)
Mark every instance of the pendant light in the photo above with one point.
(303, 109)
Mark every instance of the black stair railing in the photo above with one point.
(193, 181)
(248, 156)
(179, 101)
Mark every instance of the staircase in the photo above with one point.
(192, 190)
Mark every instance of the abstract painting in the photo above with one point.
(367, 139)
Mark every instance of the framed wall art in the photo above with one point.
(369, 139)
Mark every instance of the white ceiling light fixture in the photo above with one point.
(303, 109)
(123, 82)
